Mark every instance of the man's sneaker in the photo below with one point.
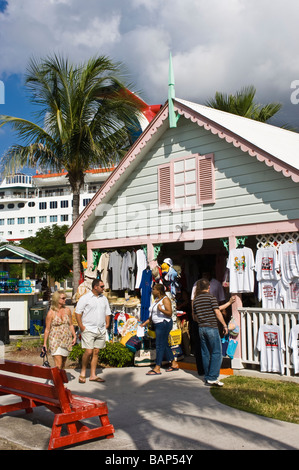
(214, 382)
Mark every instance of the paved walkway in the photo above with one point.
(173, 412)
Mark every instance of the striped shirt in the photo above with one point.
(204, 306)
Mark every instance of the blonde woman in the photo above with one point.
(59, 330)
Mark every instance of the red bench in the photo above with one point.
(69, 409)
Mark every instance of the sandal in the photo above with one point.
(98, 379)
(82, 379)
(172, 369)
(153, 372)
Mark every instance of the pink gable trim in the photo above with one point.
(237, 141)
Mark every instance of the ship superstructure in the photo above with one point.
(31, 202)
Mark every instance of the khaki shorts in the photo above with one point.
(91, 340)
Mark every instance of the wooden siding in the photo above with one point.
(247, 191)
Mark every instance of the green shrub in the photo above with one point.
(76, 353)
(114, 355)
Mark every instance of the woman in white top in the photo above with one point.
(160, 314)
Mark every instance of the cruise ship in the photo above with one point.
(31, 202)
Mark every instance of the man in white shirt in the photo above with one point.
(93, 317)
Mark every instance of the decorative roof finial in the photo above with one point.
(173, 118)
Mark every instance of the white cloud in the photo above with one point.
(216, 45)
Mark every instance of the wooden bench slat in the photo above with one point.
(30, 396)
(28, 386)
(30, 370)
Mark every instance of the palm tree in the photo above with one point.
(82, 115)
(243, 104)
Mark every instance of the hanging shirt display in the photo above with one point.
(271, 346)
(103, 268)
(241, 264)
(269, 293)
(132, 271)
(294, 345)
(146, 290)
(288, 258)
(141, 265)
(125, 270)
(115, 264)
(290, 294)
(266, 264)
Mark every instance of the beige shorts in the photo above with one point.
(90, 340)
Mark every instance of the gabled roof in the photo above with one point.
(276, 147)
(277, 142)
(11, 252)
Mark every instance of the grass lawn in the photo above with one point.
(269, 398)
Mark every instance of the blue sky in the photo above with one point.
(215, 45)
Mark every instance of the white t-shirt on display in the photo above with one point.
(288, 258)
(294, 345)
(241, 265)
(266, 264)
(290, 294)
(141, 266)
(271, 346)
(269, 294)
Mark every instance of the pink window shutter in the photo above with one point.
(206, 182)
(165, 186)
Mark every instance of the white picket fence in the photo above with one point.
(251, 319)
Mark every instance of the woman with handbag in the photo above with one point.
(59, 330)
(160, 316)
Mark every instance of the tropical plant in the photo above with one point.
(82, 119)
(243, 104)
(113, 355)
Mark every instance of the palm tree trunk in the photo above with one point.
(76, 246)
(76, 266)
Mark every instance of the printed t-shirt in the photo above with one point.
(290, 294)
(241, 264)
(288, 257)
(271, 346)
(270, 294)
(266, 264)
